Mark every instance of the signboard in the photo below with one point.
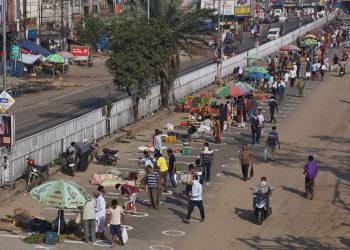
(6, 130)
(227, 7)
(242, 10)
(15, 52)
(6, 101)
(79, 50)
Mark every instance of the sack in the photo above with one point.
(308, 74)
(266, 154)
(125, 236)
(251, 172)
(187, 180)
(78, 219)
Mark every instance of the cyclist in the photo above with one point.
(310, 169)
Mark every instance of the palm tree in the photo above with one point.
(186, 29)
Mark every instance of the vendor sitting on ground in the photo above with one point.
(191, 120)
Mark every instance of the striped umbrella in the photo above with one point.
(231, 90)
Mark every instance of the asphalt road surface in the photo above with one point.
(316, 124)
(31, 119)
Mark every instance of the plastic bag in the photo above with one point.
(187, 180)
(78, 219)
(169, 126)
(125, 236)
(266, 154)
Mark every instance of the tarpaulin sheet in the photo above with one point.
(33, 47)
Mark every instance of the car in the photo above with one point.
(283, 17)
(230, 51)
(273, 33)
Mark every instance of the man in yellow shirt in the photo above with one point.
(163, 170)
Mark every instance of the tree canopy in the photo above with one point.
(89, 30)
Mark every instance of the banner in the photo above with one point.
(242, 10)
(5, 130)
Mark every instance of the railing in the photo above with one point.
(46, 146)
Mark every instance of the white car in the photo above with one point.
(274, 33)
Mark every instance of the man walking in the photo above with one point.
(153, 184)
(172, 168)
(246, 160)
(116, 219)
(207, 159)
(273, 107)
(300, 86)
(272, 142)
(195, 199)
(100, 210)
(255, 125)
(88, 218)
(163, 171)
(157, 142)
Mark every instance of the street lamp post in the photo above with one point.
(4, 44)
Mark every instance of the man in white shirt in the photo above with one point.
(195, 199)
(157, 142)
(100, 210)
(293, 76)
(286, 77)
(261, 118)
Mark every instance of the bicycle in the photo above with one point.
(310, 186)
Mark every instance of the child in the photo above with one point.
(115, 217)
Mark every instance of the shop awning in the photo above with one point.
(33, 47)
(29, 59)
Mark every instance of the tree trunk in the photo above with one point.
(135, 108)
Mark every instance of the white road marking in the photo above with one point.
(160, 247)
(175, 233)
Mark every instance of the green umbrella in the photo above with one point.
(245, 85)
(256, 69)
(254, 57)
(310, 42)
(61, 194)
(55, 58)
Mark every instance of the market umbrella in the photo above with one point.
(310, 42)
(256, 69)
(258, 75)
(289, 47)
(319, 32)
(245, 85)
(310, 36)
(61, 194)
(231, 90)
(55, 58)
(65, 55)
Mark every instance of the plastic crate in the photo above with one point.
(51, 238)
(186, 151)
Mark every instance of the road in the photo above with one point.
(40, 114)
(316, 124)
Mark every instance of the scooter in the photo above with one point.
(109, 157)
(93, 148)
(342, 72)
(261, 207)
(69, 165)
(36, 175)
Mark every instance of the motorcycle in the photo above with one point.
(69, 164)
(36, 174)
(261, 206)
(93, 148)
(342, 72)
(310, 185)
(109, 157)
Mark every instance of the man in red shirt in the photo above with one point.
(126, 189)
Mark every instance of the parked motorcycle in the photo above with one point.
(261, 207)
(36, 174)
(93, 148)
(109, 157)
(69, 164)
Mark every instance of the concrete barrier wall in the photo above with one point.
(46, 146)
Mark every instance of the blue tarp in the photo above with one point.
(33, 47)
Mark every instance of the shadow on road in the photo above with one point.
(231, 174)
(246, 214)
(293, 190)
(286, 242)
(348, 102)
(341, 196)
(178, 213)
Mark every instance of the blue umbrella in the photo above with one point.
(257, 75)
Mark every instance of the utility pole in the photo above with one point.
(24, 19)
(147, 9)
(220, 42)
(4, 45)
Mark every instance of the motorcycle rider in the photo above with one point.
(310, 169)
(264, 188)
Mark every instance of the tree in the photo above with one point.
(89, 30)
(186, 31)
(139, 52)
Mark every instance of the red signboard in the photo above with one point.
(79, 51)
